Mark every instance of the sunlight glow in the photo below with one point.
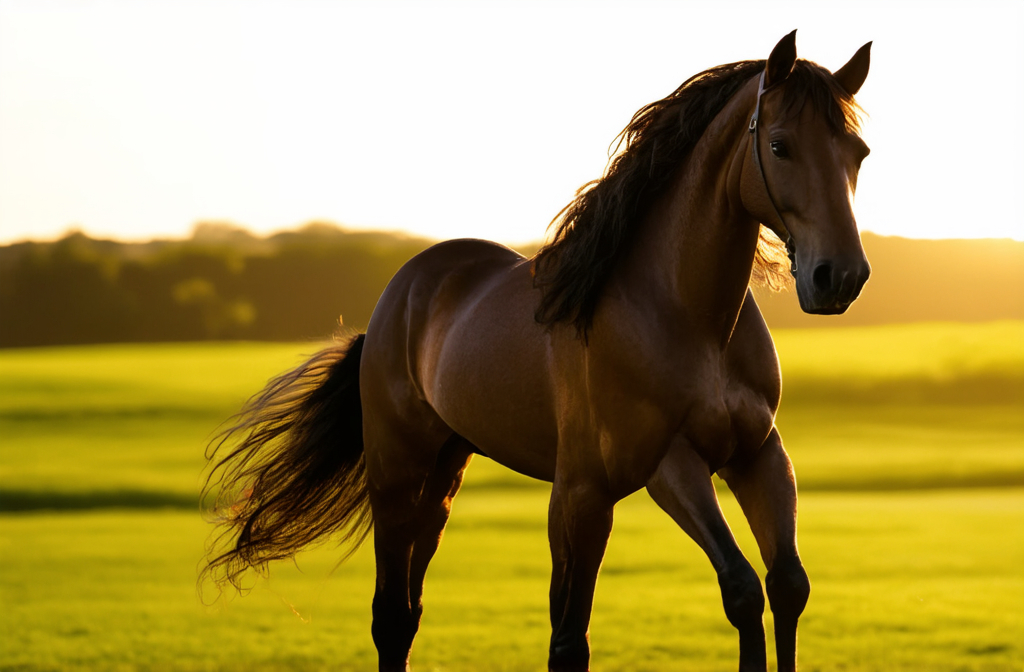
(451, 119)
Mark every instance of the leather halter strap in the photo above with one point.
(790, 243)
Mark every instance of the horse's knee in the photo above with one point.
(742, 596)
(788, 588)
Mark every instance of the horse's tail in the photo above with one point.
(290, 471)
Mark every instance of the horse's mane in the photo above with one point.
(596, 227)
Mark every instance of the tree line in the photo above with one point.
(223, 283)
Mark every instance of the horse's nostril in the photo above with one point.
(822, 277)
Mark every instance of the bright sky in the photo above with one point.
(447, 119)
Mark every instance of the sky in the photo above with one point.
(139, 119)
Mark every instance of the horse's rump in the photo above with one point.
(462, 312)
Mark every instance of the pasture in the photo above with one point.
(909, 448)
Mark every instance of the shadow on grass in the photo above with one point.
(18, 501)
(27, 501)
(897, 482)
(980, 388)
(211, 416)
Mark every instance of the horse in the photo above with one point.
(628, 353)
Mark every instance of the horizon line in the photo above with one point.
(229, 226)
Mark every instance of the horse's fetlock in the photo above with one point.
(569, 653)
(394, 628)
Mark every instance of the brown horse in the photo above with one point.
(628, 353)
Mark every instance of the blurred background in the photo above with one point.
(193, 194)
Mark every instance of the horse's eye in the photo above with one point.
(779, 149)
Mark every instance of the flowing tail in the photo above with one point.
(290, 471)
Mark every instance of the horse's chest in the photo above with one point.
(636, 411)
(735, 421)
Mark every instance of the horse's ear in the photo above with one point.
(852, 75)
(782, 60)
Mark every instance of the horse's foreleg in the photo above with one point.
(682, 487)
(766, 489)
(579, 523)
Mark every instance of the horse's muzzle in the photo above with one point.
(832, 286)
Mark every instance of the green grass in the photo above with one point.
(907, 406)
(121, 423)
(932, 352)
(908, 444)
(870, 408)
(901, 581)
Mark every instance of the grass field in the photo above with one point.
(909, 449)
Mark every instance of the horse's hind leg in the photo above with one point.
(766, 490)
(682, 487)
(440, 490)
(412, 484)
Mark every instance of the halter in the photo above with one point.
(790, 244)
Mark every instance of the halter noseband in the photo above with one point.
(790, 244)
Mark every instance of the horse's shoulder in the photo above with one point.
(752, 360)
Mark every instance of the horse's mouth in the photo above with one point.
(836, 304)
(834, 309)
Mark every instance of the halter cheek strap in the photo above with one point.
(790, 243)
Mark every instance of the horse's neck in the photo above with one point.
(696, 246)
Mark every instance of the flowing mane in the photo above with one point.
(596, 227)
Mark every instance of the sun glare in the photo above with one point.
(450, 119)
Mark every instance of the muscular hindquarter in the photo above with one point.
(463, 314)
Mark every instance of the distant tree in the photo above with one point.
(65, 292)
(226, 283)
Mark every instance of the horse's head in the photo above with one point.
(800, 181)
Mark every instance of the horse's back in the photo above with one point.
(454, 332)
